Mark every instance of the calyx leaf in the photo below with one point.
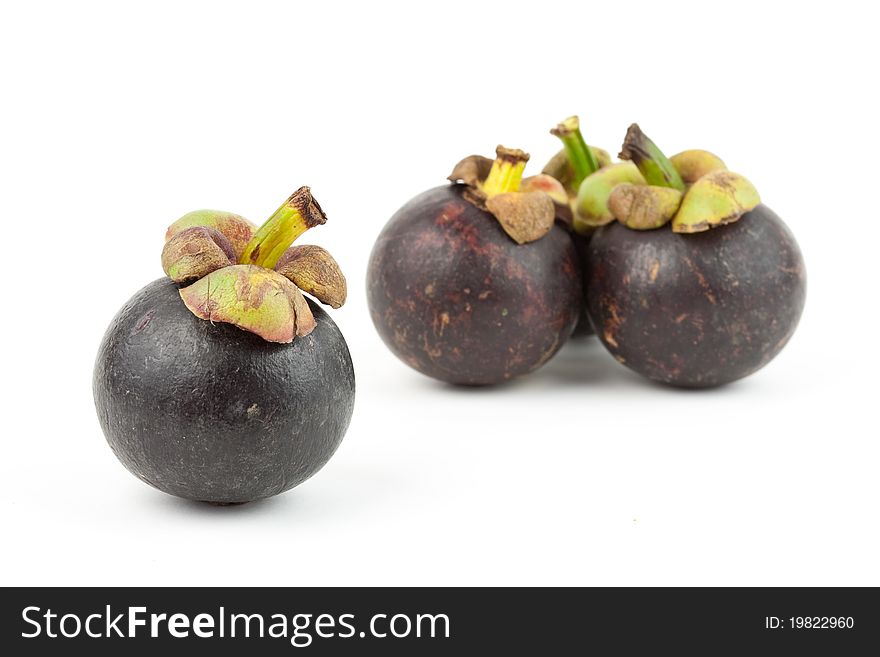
(718, 198)
(471, 171)
(555, 190)
(695, 163)
(196, 252)
(643, 207)
(233, 227)
(316, 272)
(305, 320)
(252, 298)
(591, 207)
(524, 216)
(547, 184)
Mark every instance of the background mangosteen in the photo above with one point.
(475, 283)
(233, 387)
(708, 302)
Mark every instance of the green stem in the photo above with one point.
(653, 164)
(506, 172)
(582, 160)
(295, 216)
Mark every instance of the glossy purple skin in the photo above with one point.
(454, 297)
(697, 310)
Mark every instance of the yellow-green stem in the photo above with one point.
(506, 172)
(295, 216)
(581, 158)
(653, 164)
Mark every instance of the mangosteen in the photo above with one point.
(475, 283)
(222, 383)
(696, 283)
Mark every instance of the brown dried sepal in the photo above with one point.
(196, 252)
(471, 171)
(305, 320)
(643, 207)
(524, 216)
(233, 227)
(316, 272)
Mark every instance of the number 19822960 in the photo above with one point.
(821, 622)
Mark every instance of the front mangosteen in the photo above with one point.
(708, 301)
(222, 383)
(474, 283)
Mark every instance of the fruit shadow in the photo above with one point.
(267, 506)
(582, 361)
(355, 488)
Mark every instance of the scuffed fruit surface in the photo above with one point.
(455, 298)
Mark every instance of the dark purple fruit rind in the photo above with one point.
(209, 412)
(696, 310)
(458, 300)
(583, 328)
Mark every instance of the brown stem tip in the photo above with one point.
(654, 165)
(304, 203)
(634, 147)
(566, 128)
(512, 155)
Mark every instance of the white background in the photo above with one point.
(117, 119)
